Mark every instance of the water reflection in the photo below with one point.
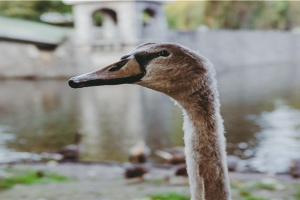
(279, 138)
(116, 117)
(252, 91)
(42, 116)
(39, 116)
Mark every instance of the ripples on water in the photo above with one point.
(279, 138)
(46, 115)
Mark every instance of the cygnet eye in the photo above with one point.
(164, 53)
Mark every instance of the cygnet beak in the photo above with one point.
(126, 70)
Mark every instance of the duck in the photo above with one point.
(233, 163)
(135, 171)
(139, 153)
(71, 152)
(180, 170)
(294, 166)
(138, 161)
(173, 155)
(189, 79)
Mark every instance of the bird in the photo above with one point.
(189, 79)
(180, 170)
(233, 163)
(138, 158)
(173, 155)
(139, 153)
(135, 171)
(71, 152)
(294, 166)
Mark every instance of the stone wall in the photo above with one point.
(228, 50)
(27, 61)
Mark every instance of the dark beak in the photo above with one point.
(124, 71)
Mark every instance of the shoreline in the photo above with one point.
(92, 180)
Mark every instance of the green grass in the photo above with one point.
(157, 181)
(245, 193)
(235, 185)
(249, 191)
(28, 176)
(265, 186)
(169, 196)
(254, 198)
(297, 194)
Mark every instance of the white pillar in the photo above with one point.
(83, 24)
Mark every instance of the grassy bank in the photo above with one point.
(101, 181)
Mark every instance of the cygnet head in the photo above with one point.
(165, 67)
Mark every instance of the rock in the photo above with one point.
(232, 163)
(295, 167)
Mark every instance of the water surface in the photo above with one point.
(42, 116)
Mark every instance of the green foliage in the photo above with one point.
(185, 14)
(29, 177)
(231, 14)
(32, 10)
(97, 19)
(169, 196)
(283, 15)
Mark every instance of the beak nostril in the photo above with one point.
(124, 57)
(113, 68)
(118, 65)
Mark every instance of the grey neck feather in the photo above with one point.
(205, 146)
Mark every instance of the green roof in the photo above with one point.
(29, 31)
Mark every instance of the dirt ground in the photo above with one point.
(106, 182)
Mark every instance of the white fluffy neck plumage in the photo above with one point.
(205, 157)
(205, 145)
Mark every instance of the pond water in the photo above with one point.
(260, 107)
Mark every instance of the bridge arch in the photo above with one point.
(122, 23)
(105, 25)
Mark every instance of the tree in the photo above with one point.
(32, 10)
(283, 15)
(185, 14)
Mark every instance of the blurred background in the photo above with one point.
(254, 47)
